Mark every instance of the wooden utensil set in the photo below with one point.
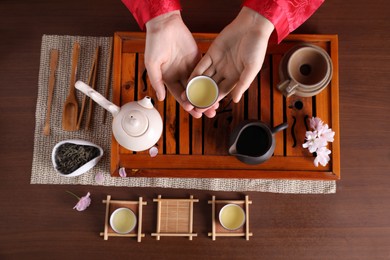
(71, 115)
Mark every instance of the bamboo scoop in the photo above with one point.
(70, 111)
(53, 68)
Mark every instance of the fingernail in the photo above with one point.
(237, 99)
(158, 96)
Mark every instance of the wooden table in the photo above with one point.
(37, 221)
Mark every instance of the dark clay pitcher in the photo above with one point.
(253, 142)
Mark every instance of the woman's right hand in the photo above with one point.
(171, 54)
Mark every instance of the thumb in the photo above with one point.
(155, 77)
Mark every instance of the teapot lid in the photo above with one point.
(135, 123)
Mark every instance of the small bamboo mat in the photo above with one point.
(100, 133)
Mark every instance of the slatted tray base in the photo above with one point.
(197, 148)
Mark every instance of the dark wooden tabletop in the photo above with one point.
(37, 221)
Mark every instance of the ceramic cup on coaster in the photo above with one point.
(231, 217)
(305, 71)
(123, 220)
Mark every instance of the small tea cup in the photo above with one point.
(202, 91)
(232, 217)
(123, 220)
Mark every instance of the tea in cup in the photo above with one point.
(123, 220)
(307, 71)
(232, 216)
(202, 91)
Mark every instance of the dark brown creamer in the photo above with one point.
(253, 141)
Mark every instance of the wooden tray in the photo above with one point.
(197, 148)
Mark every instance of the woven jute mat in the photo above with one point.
(99, 133)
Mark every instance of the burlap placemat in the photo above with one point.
(100, 134)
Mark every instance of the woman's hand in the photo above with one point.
(236, 55)
(171, 54)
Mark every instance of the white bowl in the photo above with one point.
(84, 168)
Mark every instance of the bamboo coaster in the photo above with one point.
(175, 217)
(217, 230)
(135, 206)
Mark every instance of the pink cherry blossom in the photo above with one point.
(83, 202)
(315, 123)
(313, 142)
(322, 156)
(317, 140)
(326, 133)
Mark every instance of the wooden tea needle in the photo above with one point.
(108, 79)
(93, 85)
(53, 68)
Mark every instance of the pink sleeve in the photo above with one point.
(145, 10)
(286, 15)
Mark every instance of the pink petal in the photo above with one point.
(122, 172)
(322, 156)
(153, 151)
(83, 203)
(327, 134)
(315, 123)
(99, 178)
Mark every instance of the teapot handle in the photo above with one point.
(97, 97)
(279, 128)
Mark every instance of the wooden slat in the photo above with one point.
(335, 146)
(170, 124)
(265, 91)
(116, 95)
(145, 89)
(237, 114)
(277, 105)
(197, 136)
(184, 131)
(127, 84)
(321, 111)
(303, 174)
(128, 77)
(253, 100)
(216, 130)
(176, 162)
(209, 135)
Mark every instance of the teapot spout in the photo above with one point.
(232, 150)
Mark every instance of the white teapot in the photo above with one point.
(137, 125)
